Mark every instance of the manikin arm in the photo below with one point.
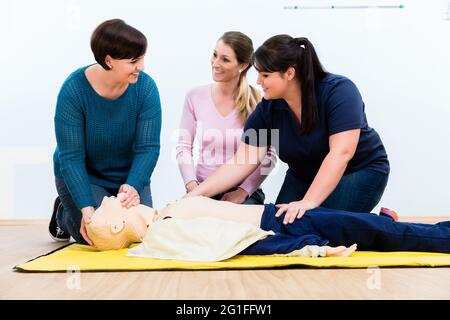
(313, 251)
(341, 251)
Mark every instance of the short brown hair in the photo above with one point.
(117, 39)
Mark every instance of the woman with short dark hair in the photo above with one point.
(107, 125)
(335, 159)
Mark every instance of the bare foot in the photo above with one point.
(341, 251)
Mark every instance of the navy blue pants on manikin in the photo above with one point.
(371, 232)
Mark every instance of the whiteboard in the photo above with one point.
(398, 57)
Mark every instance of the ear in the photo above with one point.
(116, 225)
(242, 67)
(116, 215)
(290, 73)
(109, 60)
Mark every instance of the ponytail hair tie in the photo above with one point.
(301, 42)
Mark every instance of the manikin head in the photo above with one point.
(115, 227)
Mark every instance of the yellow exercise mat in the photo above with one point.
(85, 258)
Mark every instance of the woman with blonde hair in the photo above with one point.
(216, 113)
(335, 159)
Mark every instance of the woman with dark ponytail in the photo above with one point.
(317, 123)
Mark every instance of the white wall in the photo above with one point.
(399, 58)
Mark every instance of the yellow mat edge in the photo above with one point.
(240, 263)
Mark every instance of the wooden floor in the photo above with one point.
(21, 241)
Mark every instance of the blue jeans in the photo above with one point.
(359, 191)
(69, 216)
(321, 226)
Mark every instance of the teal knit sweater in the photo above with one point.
(106, 142)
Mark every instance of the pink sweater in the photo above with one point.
(218, 136)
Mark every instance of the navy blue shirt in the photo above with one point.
(340, 108)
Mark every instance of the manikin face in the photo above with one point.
(115, 227)
(225, 66)
(126, 70)
(275, 84)
(152, 213)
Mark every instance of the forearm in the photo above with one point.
(77, 181)
(185, 145)
(186, 165)
(146, 150)
(327, 178)
(142, 168)
(233, 172)
(227, 176)
(252, 182)
(255, 180)
(72, 161)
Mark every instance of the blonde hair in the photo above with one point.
(246, 97)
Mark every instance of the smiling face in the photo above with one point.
(126, 70)
(273, 84)
(224, 63)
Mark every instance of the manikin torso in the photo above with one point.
(197, 207)
(115, 227)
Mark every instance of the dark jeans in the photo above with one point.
(369, 231)
(257, 197)
(357, 192)
(69, 216)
